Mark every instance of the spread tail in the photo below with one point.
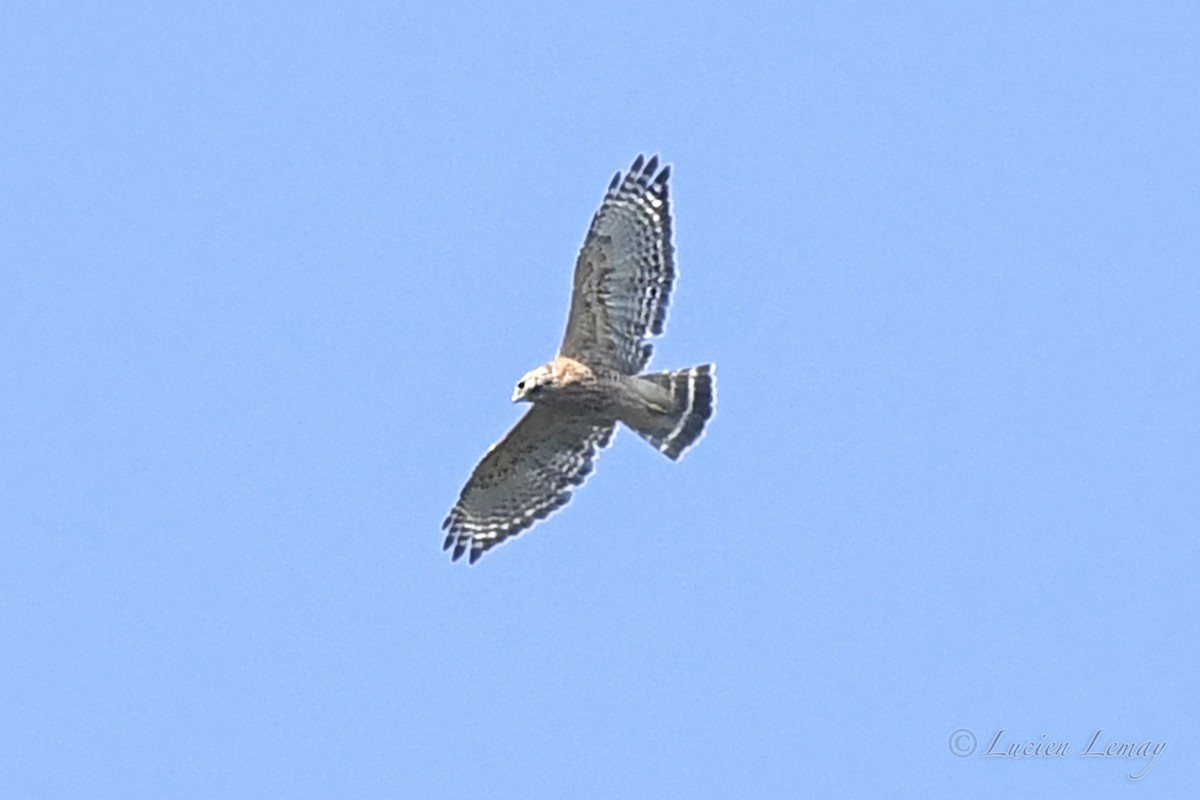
(693, 396)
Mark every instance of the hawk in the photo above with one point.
(623, 280)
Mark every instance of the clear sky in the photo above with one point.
(269, 272)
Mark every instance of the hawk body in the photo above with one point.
(623, 279)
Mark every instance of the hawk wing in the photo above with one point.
(624, 273)
(523, 478)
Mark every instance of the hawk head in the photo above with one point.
(530, 386)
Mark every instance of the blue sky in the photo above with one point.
(269, 271)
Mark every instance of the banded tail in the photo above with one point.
(693, 396)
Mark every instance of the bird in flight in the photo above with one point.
(623, 280)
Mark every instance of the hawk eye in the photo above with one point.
(521, 385)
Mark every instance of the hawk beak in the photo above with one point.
(517, 395)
